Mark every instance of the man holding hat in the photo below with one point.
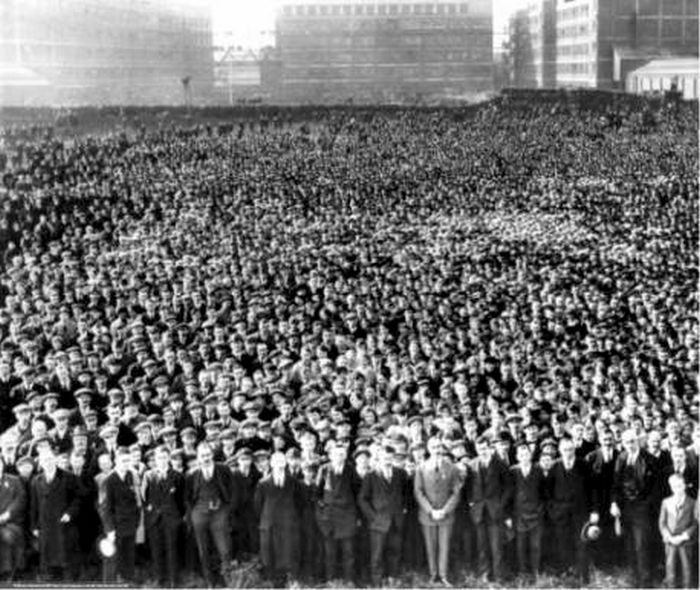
(122, 512)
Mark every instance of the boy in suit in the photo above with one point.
(678, 526)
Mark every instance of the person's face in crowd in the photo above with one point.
(678, 457)
(38, 429)
(48, 461)
(654, 442)
(80, 444)
(162, 459)
(205, 456)
(77, 462)
(677, 485)
(337, 455)
(278, 464)
(567, 450)
(630, 442)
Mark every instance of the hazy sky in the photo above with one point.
(251, 22)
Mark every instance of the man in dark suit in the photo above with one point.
(245, 533)
(383, 501)
(209, 497)
(601, 470)
(121, 513)
(632, 493)
(163, 492)
(337, 486)
(55, 502)
(490, 493)
(279, 502)
(13, 506)
(527, 509)
(570, 508)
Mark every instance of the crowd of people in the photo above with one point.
(355, 346)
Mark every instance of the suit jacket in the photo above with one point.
(529, 496)
(13, 498)
(569, 491)
(336, 501)
(245, 490)
(163, 500)
(223, 479)
(437, 490)
(490, 490)
(601, 481)
(121, 511)
(673, 522)
(384, 502)
(49, 502)
(634, 490)
(279, 507)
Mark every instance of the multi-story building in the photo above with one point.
(335, 50)
(534, 45)
(594, 36)
(595, 43)
(111, 51)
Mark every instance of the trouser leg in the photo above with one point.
(430, 536)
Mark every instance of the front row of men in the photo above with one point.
(483, 502)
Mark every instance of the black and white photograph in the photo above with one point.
(349, 294)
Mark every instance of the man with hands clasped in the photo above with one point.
(437, 486)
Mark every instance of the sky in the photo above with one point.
(250, 23)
